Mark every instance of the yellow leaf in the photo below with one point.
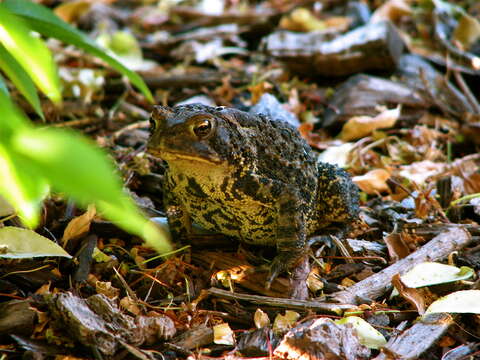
(375, 181)
(71, 11)
(260, 319)
(360, 126)
(79, 225)
(222, 334)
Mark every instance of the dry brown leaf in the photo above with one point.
(347, 282)
(446, 341)
(418, 172)
(71, 11)
(225, 92)
(44, 289)
(283, 323)
(360, 126)
(397, 247)
(130, 305)
(467, 31)
(79, 225)
(258, 90)
(106, 288)
(375, 181)
(392, 10)
(314, 283)
(412, 295)
(472, 184)
(302, 19)
(314, 139)
(338, 155)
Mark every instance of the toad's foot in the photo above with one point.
(286, 260)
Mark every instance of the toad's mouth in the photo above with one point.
(169, 155)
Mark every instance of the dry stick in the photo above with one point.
(466, 91)
(377, 285)
(130, 127)
(336, 309)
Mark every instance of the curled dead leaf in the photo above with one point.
(375, 181)
(413, 296)
(392, 10)
(360, 126)
(283, 323)
(79, 225)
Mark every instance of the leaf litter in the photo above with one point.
(391, 88)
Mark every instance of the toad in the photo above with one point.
(247, 176)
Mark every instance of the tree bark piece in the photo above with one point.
(97, 322)
(321, 339)
(362, 94)
(375, 46)
(418, 339)
(377, 285)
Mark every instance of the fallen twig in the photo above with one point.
(377, 285)
(336, 309)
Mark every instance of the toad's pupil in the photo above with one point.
(203, 128)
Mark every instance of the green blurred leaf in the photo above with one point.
(71, 162)
(12, 119)
(47, 23)
(125, 215)
(5, 207)
(21, 185)
(18, 243)
(20, 78)
(73, 165)
(3, 87)
(30, 52)
(125, 48)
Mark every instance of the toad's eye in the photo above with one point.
(153, 126)
(203, 128)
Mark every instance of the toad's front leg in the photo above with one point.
(291, 243)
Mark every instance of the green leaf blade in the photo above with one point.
(3, 87)
(21, 186)
(136, 224)
(12, 119)
(30, 52)
(71, 162)
(20, 78)
(47, 23)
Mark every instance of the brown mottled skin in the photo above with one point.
(247, 176)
